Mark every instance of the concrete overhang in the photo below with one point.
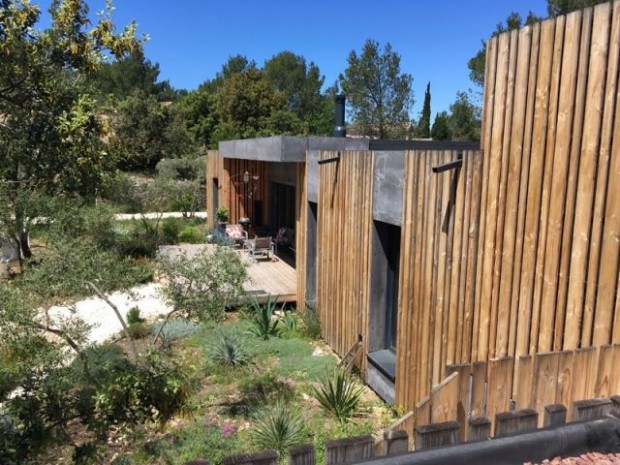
(286, 148)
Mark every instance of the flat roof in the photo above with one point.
(294, 148)
(286, 148)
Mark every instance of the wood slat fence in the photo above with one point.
(394, 441)
(482, 389)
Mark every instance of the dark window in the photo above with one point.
(215, 201)
(311, 238)
(389, 237)
(282, 206)
(383, 322)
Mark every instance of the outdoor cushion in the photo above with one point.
(235, 231)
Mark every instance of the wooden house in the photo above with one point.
(499, 260)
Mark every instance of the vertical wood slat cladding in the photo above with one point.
(235, 195)
(549, 236)
(343, 248)
(437, 270)
(214, 168)
(540, 271)
(300, 233)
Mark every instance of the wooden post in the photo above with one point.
(302, 455)
(591, 409)
(615, 405)
(439, 434)
(478, 429)
(555, 415)
(519, 421)
(267, 457)
(355, 449)
(396, 442)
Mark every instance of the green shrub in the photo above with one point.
(278, 427)
(8, 373)
(228, 348)
(202, 286)
(179, 328)
(181, 168)
(13, 445)
(154, 391)
(138, 330)
(170, 230)
(221, 214)
(209, 439)
(339, 395)
(105, 362)
(311, 324)
(191, 235)
(264, 388)
(121, 190)
(133, 316)
(137, 245)
(264, 323)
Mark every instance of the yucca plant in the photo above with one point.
(263, 323)
(278, 427)
(339, 395)
(228, 348)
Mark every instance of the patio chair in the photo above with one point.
(236, 233)
(260, 247)
(285, 239)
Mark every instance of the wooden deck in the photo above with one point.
(267, 278)
(271, 278)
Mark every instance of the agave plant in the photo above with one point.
(339, 395)
(228, 348)
(279, 427)
(263, 322)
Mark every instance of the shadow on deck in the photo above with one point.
(276, 278)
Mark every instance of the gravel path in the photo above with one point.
(94, 311)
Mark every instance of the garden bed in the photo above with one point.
(227, 403)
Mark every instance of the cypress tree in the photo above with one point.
(424, 125)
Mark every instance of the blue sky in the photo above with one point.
(191, 39)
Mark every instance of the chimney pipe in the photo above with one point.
(339, 130)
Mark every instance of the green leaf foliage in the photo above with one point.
(339, 395)
(51, 132)
(228, 348)
(441, 128)
(379, 94)
(202, 286)
(561, 7)
(477, 63)
(423, 128)
(278, 428)
(263, 321)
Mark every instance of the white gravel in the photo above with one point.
(94, 311)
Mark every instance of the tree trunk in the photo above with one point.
(20, 257)
(24, 244)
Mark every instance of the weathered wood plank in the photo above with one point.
(437, 435)
(546, 367)
(500, 385)
(354, 449)
(444, 399)
(588, 163)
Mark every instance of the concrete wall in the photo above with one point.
(312, 158)
(283, 173)
(389, 173)
(286, 148)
